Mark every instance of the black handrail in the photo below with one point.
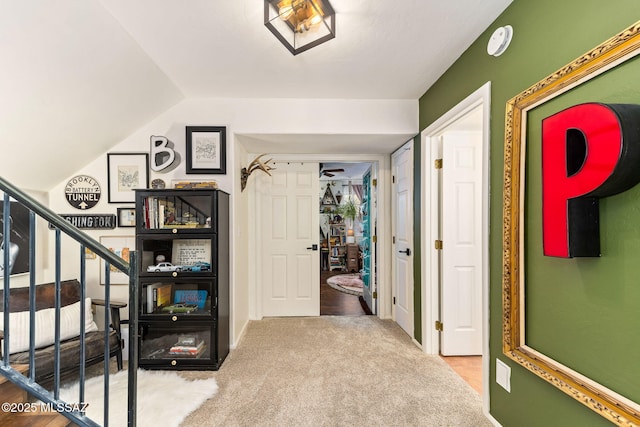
(61, 225)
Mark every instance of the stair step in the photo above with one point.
(23, 369)
(11, 393)
(35, 419)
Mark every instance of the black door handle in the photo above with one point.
(407, 251)
(313, 247)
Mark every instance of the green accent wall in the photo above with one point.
(584, 312)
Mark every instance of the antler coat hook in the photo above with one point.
(254, 165)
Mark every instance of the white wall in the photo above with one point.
(240, 116)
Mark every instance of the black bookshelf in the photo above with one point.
(182, 238)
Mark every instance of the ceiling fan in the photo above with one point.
(328, 172)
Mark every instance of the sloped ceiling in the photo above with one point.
(78, 76)
(393, 49)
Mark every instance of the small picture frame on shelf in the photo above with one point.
(206, 150)
(126, 217)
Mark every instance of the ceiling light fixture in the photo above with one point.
(300, 24)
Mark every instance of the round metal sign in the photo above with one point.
(82, 192)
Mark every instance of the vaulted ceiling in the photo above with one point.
(77, 76)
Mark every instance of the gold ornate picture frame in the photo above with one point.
(599, 398)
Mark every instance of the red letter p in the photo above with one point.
(588, 151)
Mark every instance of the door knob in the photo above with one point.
(313, 247)
(407, 251)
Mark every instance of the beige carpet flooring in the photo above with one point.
(334, 371)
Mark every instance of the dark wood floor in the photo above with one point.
(336, 303)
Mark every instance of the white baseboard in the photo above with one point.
(493, 420)
(234, 345)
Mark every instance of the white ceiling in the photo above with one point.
(78, 76)
(383, 49)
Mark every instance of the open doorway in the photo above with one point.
(275, 282)
(345, 238)
(455, 207)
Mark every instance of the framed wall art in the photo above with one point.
(126, 217)
(122, 246)
(549, 301)
(17, 243)
(89, 254)
(206, 150)
(125, 173)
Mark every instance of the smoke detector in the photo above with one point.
(499, 41)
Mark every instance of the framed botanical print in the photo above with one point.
(125, 173)
(206, 150)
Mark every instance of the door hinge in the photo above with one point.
(394, 240)
(375, 294)
(439, 326)
(374, 239)
(393, 179)
(438, 164)
(438, 244)
(394, 300)
(374, 182)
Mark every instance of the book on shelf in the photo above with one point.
(156, 211)
(335, 262)
(197, 297)
(186, 346)
(158, 296)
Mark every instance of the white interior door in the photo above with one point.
(290, 263)
(461, 220)
(402, 219)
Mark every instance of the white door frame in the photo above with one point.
(383, 189)
(429, 279)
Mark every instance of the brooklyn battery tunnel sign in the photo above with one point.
(589, 151)
(82, 192)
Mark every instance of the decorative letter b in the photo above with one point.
(162, 155)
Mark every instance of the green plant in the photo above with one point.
(348, 210)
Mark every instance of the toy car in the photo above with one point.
(180, 308)
(164, 266)
(199, 266)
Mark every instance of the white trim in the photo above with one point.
(235, 344)
(490, 418)
(429, 283)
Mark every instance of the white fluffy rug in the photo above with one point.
(164, 398)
